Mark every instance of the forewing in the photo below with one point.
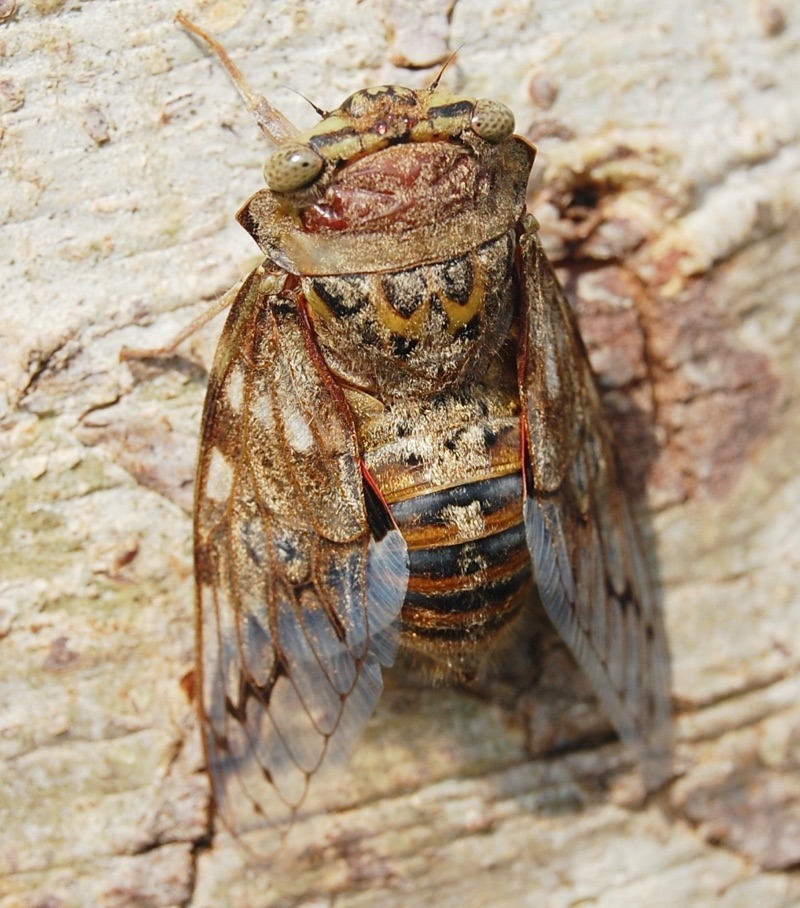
(298, 601)
(588, 559)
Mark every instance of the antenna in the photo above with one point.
(275, 126)
(447, 62)
(319, 110)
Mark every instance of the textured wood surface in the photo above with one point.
(668, 186)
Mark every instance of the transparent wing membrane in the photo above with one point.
(293, 627)
(587, 557)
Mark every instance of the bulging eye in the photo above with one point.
(292, 167)
(492, 120)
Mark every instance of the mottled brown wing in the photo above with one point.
(588, 559)
(298, 599)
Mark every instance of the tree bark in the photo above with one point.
(667, 186)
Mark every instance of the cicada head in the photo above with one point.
(375, 118)
(389, 179)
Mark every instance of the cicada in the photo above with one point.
(403, 447)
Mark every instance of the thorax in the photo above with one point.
(416, 330)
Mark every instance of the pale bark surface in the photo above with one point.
(668, 185)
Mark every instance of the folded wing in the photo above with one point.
(298, 591)
(588, 559)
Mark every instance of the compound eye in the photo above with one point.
(492, 121)
(292, 167)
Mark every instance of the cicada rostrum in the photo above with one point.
(403, 446)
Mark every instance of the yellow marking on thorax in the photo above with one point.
(317, 305)
(412, 326)
(460, 314)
